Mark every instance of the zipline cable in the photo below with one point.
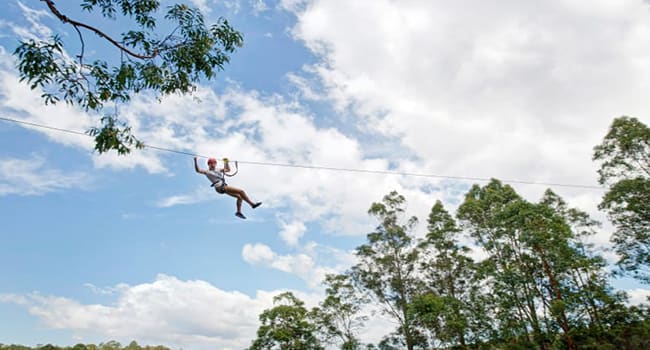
(317, 167)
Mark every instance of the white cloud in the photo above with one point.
(259, 6)
(107, 290)
(233, 6)
(202, 5)
(257, 253)
(176, 200)
(638, 296)
(301, 264)
(36, 30)
(292, 232)
(31, 177)
(179, 314)
(18, 102)
(188, 314)
(12, 298)
(509, 90)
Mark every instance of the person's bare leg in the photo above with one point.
(239, 192)
(236, 195)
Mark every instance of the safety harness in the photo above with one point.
(220, 185)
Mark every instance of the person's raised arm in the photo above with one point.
(226, 166)
(196, 167)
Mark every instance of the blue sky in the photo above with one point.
(99, 247)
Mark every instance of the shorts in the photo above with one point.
(219, 186)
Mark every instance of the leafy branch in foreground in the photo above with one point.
(174, 63)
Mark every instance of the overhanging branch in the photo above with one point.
(76, 24)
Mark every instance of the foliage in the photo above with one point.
(338, 315)
(167, 64)
(543, 278)
(450, 307)
(388, 266)
(286, 326)
(110, 345)
(539, 285)
(625, 151)
(624, 157)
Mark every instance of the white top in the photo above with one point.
(215, 176)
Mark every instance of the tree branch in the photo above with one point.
(65, 19)
(83, 47)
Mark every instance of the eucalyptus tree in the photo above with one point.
(544, 240)
(339, 316)
(506, 271)
(164, 62)
(624, 157)
(286, 326)
(539, 267)
(448, 306)
(387, 269)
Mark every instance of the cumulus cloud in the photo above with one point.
(292, 231)
(506, 90)
(31, 177)
(257, 253)
(510, 90)
(189, 314)
(177, 313)
(303, 264)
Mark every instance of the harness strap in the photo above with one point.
(220, 188)
(223, 183)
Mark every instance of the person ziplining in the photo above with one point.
(217, 177)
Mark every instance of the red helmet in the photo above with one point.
(212, 161)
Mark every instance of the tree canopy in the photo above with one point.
(165, 63)
(536, 286)
(286, 326)
(624, 157)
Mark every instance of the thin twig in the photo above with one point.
(83, 47)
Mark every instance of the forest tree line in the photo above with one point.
(540, 286)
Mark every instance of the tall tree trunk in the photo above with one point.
(562, 319)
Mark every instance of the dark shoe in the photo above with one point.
(257, 205)
(240, 215)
